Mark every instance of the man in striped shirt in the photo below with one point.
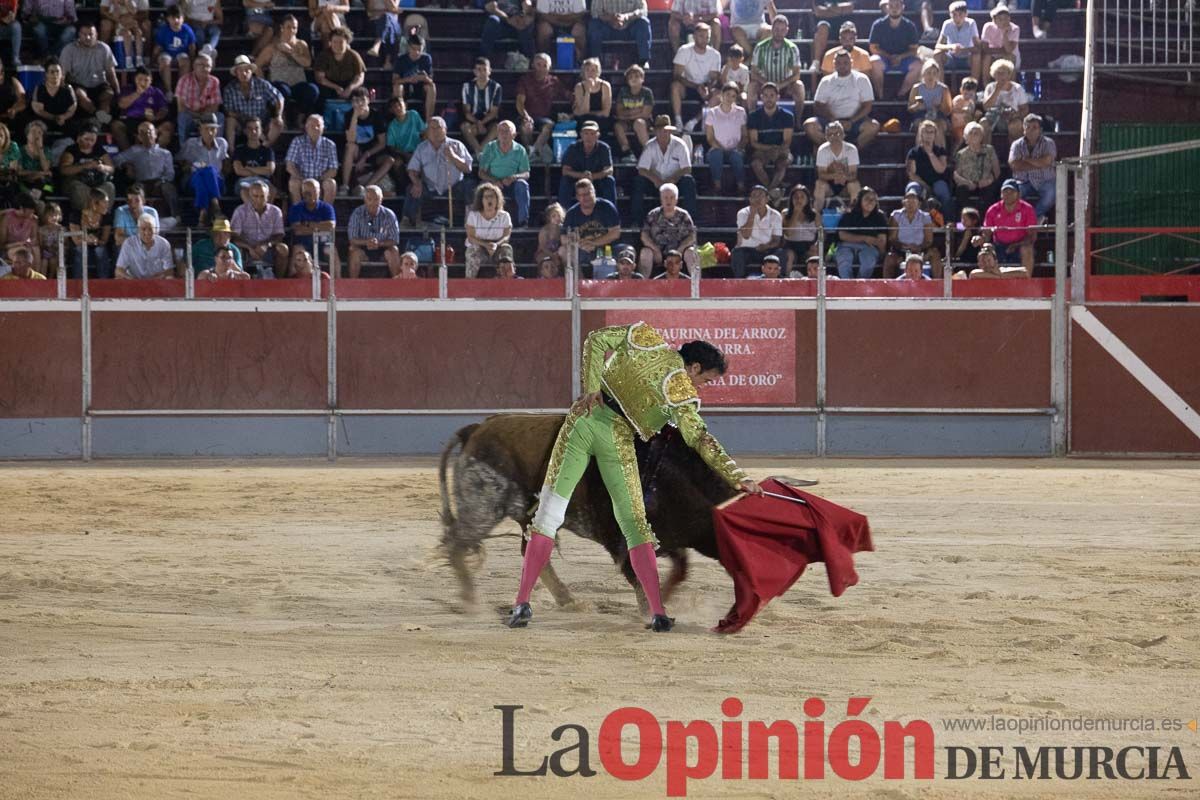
(777, 60)
(619, 19)
(374, 234)
(1031, 159)
(481, 107)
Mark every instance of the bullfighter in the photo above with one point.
(641, 387)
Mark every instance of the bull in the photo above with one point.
(498, 474)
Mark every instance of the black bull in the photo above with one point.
(499, 473)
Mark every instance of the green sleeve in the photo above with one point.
(687, 418)
(599, 342)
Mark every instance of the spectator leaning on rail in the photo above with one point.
(759, 232)
(626, 268)
(505, 163)
(666, 159)
(598, 224)
(146, 255)
(989, 266)
(224, 268)
(619, 19)
(21, 267)
(258, 229)
(1031, 159)
(1009, 225)
(204, 250)
(374, 234)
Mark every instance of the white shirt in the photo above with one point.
(848, 155)
(844, 95)
(698, 66)
(765, 228)
(200, 10)
(677, 157)
(490, 230)
(965, 36)
(563, 8)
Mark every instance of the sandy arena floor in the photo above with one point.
(281, 630)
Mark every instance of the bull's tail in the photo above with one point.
(458, 440)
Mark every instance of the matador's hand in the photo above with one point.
(586, 403)
(751, 487)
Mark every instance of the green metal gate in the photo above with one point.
(1155, 192)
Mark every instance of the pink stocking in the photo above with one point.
(645, 566)
(537, 555)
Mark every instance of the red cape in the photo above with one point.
(765, 543)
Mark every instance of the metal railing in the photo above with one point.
(1157, 35)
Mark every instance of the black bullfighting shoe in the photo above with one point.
(520, 616)
(662, 623)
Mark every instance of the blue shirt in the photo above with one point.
(173, 43)
(123, 219)
(300, 213)
(405, 67)
(603, 217)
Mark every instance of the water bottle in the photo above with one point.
(1037, 86)
(698, 154)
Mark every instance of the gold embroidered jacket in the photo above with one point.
(647, 379)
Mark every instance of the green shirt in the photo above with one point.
(405, 136)
(776, 64)
(503, 165)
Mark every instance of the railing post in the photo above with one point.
(572, 276)
(189, 276)
(443, 268)
(1058, 317)
(61, 275)
(85, 305)
(947, 267)
(821, 366)
(331, 359)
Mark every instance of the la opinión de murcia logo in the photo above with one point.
(741, 749)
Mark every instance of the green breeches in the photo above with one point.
(607, 437)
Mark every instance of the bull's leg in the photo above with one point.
(550, 579)
(678, 574)
(483, 497)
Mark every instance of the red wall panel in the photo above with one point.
(220, 360)
(451, 359)
(939, 359)
(40, 364)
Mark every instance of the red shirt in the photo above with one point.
(1009, 226)
(540, 95)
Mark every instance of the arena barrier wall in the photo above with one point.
(125, 369)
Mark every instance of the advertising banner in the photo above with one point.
(759, 345)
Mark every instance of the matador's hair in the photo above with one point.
(704, 354)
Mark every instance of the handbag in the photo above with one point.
(335, 115)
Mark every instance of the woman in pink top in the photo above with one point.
(725, 128)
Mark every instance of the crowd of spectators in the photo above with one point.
(130, 105)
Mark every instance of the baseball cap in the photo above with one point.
(772, 258)
(849, 26)
(221, 224)
(672, 254)
(914, 188)
(590, 125)
(1011, 183)
(626, 253)
(504, 253)
(208, 119)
